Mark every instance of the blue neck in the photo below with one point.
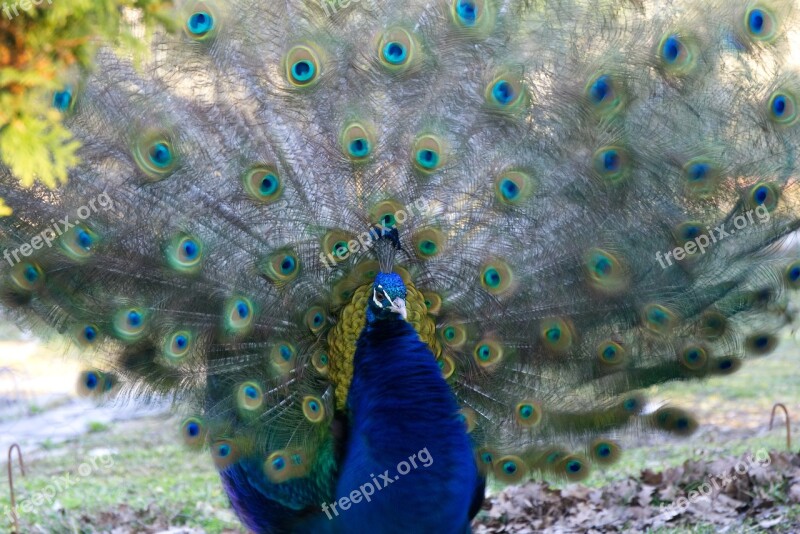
(402, 410)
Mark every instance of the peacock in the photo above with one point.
(379, 253)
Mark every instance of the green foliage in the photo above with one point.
(45, 47)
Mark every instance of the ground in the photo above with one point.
(122, 469)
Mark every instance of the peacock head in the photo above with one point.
(388, 300)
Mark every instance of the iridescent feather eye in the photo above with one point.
(184, 253)
(130, 324)
(320, 361)
(760, 23)
(428, 153)
(263, 183)
(702, 178)
(573, 468)
(448, 366)
(713, 325)
(556, 335)
(674, 420)
(686, 235)
(397, 50)
(178, 345)
(64, 100)
(612, 164)
(313, 409)
(283, 355)
(605, 272)
(510, 469)
(476, 17)
(200, 25)
(488, 352)
(763, 194)
(336, 243)
(27, 277)
(497, 277)
(761, 343)
(357, 141)
(280, 467)
(238, 315)
(281, 267)
(428, 243)
(783, 108)
(506, 93)
(385, 213)
(433, 302)
(513, 187)
(611, 353)
(224, 453)
(86, 335)
(528, 413)
(605, 451)
(315, 319)
(79, 242)
(676, 53)
(249, 396)
(603, 94)
(302, 66)
(193, 432)
(453, 335)
(658, 319)
(791, 275)
(693, 358)
(155, 155)
(90, 383)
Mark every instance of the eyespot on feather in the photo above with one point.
(605, 272)
(358, 141)
(263, 183)
(79, 243)
(702, 177)
(556, 334)
(605, 451)
(238, 314)
(677, 54)
(473, 18)
(428, 153)
(281, 267)
(397, 50)
(428, 243)
(193, 432)
(27, 277)
(130, 324)
(155, 155)
(249, 396)
(528, 413)
(303, 67)
(497, 277)
(178, 345)
(313, 409)
(659, 319)
(512, 188)
(510, 469)
(488, 352)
